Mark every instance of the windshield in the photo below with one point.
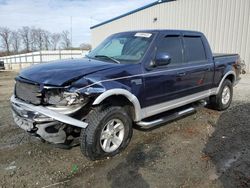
(123, 47)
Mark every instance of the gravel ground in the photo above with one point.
(206, 149)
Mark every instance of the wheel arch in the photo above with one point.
(121, 95)
(230, 76)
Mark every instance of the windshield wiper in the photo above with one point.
(107, 57)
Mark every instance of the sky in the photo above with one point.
(55, 15)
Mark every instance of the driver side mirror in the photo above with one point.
(162, 59)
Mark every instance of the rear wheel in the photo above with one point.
(224, 98)
(108, 133)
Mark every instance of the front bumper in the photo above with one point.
(30, 113)
(53, 125)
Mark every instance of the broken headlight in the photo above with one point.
(63, 98)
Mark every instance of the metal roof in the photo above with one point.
(131, 12)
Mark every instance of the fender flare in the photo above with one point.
(224, 77)
(132, 98)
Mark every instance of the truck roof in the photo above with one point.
(171, 31)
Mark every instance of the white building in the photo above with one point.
(226, 23)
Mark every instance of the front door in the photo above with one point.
(162, 82)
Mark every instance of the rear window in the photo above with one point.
(194, 49)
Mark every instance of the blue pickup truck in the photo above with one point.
(137, 78)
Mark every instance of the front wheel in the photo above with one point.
(224, 98)
(108, 133)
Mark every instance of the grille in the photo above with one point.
(28, 92)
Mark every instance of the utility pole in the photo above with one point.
(71, 35)
(71, 31)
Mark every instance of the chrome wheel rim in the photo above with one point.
(112, 135)
(225, 95)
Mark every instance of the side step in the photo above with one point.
(171, 116)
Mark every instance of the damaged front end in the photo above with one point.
(54, 114)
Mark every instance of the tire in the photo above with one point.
(219, 102)
(91, 144)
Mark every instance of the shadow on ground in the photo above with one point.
(229, 147)
(126, 174)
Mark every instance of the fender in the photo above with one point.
(224, 77)
(132, 98)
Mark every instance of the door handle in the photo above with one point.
(181, 73)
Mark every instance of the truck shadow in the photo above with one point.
(229, 147)
(126, 174)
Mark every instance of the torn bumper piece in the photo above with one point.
(25, 108)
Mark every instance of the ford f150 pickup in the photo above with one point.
(143, 78)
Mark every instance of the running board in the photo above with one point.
(171, 117)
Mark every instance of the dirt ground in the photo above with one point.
(208, 149)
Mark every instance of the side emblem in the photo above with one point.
(136, 81)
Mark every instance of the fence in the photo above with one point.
(24, 60)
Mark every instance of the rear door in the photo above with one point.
(198, 68)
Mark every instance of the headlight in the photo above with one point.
(62, 98)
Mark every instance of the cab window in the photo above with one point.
(194, 49)
(171, 45)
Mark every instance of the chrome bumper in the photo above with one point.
(25, 109)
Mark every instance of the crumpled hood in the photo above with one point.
(61, 72)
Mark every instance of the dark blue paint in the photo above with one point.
(151, 85)
(60, 73)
